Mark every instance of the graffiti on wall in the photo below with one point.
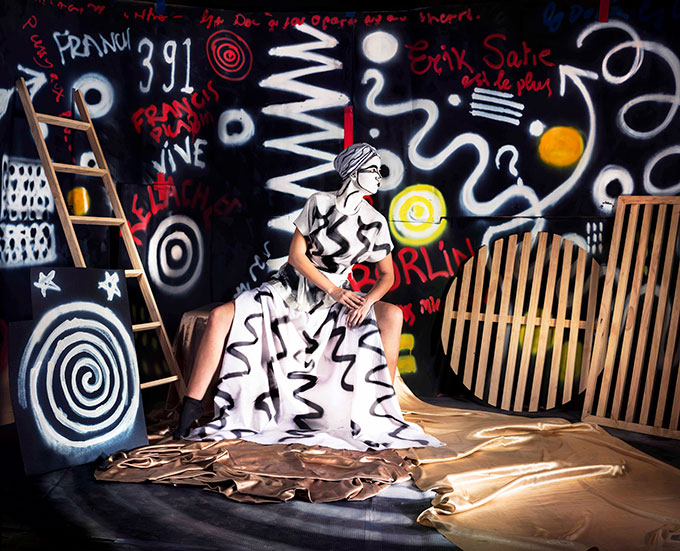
(218, 125)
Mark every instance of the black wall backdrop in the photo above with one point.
(492, 118)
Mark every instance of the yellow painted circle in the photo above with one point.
(417, 215)
(560, 146)
(78, 200)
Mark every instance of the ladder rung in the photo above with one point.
(97, 221)
(134, 273)
(77, 169)
(62, 121)
(145, 326)
(158, 382)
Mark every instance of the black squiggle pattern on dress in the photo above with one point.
(302, 418)
(368, 246)
(232, 349)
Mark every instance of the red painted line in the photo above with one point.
(604, 11)
(349, 125)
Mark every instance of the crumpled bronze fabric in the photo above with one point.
(505, 482)
(250, 472)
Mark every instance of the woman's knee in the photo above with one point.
(222, 315)
(389, 315)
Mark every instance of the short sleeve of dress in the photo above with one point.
(304, 220)
(381, 243)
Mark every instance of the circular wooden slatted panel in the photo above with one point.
(519, 321)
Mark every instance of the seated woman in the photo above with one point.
(306, 359)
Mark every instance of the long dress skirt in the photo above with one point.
(293, 377)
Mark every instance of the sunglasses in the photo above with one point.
(372, 170)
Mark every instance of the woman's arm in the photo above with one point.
(297, 257)
(385, 270)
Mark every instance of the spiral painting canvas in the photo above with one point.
(73, 370)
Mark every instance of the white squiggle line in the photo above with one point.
(500, 118)
(493, 108)
(639, 53)
(576, 75)
(640, 46)
(319, 98)
(514, 156)
(429, 163)
(491, 99)
(647, 178)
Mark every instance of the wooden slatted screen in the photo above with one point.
(519, 325)
(634, 383)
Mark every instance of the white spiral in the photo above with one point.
(78, 376)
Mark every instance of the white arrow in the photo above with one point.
(36, 82)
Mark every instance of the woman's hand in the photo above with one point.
(347, 298)
(356, 316)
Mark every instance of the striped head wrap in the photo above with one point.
(352, 157)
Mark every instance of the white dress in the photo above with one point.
(292, 372)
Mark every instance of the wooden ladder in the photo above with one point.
(119, 220)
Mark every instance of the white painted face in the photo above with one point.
(368, 176)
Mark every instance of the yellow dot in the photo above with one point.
(560, 146)
(78, 200)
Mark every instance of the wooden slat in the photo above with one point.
(471, 353)
(671, 349)
(77, 169)
(660, 315)
(591, 317)
(518, 307)
(138, 327)
(645, 320)
(637, 427)
(602, 327)
(460, 323)
(133, 273)
(572, 342)
(617, 315)
(562, 300)
(485, 344)
(62, 121)
(50, 175)
(544, 332)
(630, 316)
(495, 318)
(672, 336)
(649, 199)
(448, 307)
(158, 382)
(502, 319)
(530, 325)
(97, 221)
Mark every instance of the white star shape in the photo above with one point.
(110, 285)
(45, 283)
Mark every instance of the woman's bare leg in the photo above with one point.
(390, 319)
(210, 350)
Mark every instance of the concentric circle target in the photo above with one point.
(418, 215)
(229, 55)
(175, 254)
(78, 375)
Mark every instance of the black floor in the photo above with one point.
(68, 509)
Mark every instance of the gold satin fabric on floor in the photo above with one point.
(250, 472)
(510, 483)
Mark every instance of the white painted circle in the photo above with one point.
(380, 46)
(237, 138)
(99, 83)
(175, 233)
(374, 132)
(454, 99)
(536, 128)
(395, 166)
